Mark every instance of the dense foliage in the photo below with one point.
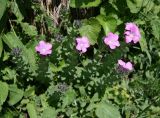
(65, 82)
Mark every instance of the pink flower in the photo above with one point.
(82, 44)
(112, 40)
(127, 66)
(132, 33)
(44, 48)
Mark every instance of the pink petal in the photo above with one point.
(112, 46)
(84, 49)
(122, 63)
(129, 66)
(78, 47)
(136, 39)
(42, 43)
(49, 51)
(48, 46)
(128, 39)
(37, 48)
(116, 43)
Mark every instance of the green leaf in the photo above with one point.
(91, 29)
(133, 5)
(109, 24)
(143, 45)
(155, 24)
(1, 46)
(29, 29)
(13, 41)
(49, 113)
(68, 97)
(31, 110)
(30, 91)
(15, 95)
(3, 92)
(136, 5)
(107, 110)
(84, 3)
(3, 6)
(15, 9)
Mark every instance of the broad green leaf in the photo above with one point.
(109, 24)
(15, 9)
(15, 95)
(1, 46)
(3, 92)
(49, 113)
(84, 3)
(68, 97)
(29, 29)
(31, 110)
(30, 91)
(13, 41)
(3, 6)
(91, 29)
(107, 110)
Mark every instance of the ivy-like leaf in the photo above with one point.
(90, 28)
(107, 110)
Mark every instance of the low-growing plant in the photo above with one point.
(79, 59)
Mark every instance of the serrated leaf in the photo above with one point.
(31, 110)
(109, 24)
(15, 95)
(91, 29)
(136, 5)
(68, 97)
(49, 113)
(155, 24)
(3, 6)
(84, 3)
(143, 45)
(3, 92)
(29, 29)
(107, 110)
